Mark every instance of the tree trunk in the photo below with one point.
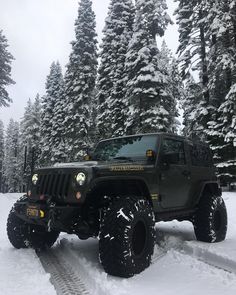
(205, 78)
(228, 70)
(234, 34)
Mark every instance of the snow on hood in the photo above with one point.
(76, 164)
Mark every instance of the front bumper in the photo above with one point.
(53, 217)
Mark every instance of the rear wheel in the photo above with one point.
(210, 221)
(127, 237)
(24, 235)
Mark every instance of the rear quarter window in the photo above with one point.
(174, 147)
(200, 155)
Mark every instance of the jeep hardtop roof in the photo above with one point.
(194, 141)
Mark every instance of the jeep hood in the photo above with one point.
(94, 164)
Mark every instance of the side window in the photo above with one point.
(173, 152)
(200, 155)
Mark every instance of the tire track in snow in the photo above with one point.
(209, 257)
(68, 271)
(65, 280)
(165, 243)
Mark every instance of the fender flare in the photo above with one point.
(211, 186)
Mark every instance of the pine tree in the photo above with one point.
(25, 143)
(1, 154)
(11, 166)
(80, 80)
(207, 34)
(174, 86)
(112, 107)
(58, 133)
(30, 139)
(226, 141)
(223, 44)
(146, 85)
(5, 71)
(192, 98)
(193, 24)
(229, 111)
(53, 108)
(36, 134)
(232, 11)
(222, 68)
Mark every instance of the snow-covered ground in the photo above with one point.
(180, 263)
(21, 272)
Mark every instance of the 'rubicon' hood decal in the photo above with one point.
(126, 168)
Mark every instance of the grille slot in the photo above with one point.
(54, 184)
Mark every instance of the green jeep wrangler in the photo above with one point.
(125, 186)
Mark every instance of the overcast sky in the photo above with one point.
(39, 32)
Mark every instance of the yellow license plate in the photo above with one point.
(32, 212)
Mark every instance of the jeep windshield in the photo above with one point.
(125, 148)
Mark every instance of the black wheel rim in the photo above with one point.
(139, 238)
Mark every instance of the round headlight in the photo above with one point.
(80, 178)
(35, 179)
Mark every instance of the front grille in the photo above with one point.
(54, 185)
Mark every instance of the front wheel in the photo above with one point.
(24, 235)
(127, 237)
(210, 220)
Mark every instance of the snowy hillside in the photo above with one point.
(181, 265)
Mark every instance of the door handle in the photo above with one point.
(186, 173)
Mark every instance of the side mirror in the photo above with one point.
(89, 154)
(88, 157)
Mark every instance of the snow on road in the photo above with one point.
(183, 235)
(180, 263)
(20, 270)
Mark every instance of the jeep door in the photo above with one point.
(174, 173)
(202, 168)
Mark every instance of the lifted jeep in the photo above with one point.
(127, 185)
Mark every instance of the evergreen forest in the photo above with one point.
(130, 83)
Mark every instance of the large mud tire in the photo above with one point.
(127, 237)
(24, 235)
(210, 220)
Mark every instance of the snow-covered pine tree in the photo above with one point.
(146, 85)
(207, 31)
(53, 106)
(11, 167)
(112, 79)
(58, 133)
(80, 80)
(192, 21)
(222, 31)
(30, 139)
(25, 145)
(222, 51)
(222, 68)
(36, 133)
(232, 11)
(229, 111)
(226, 161)
(1, 154)
(174, 86)
(5, 71)
(192, 98)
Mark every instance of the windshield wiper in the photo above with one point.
(123, 158)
